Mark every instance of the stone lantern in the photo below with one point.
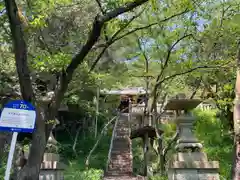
(51, 167)
(190, 162)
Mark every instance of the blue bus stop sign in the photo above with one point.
(18, 116)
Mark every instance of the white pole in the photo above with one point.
(10, 156)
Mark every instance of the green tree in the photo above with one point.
(48, 112)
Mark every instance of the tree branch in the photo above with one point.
(146, 71)
(128, 7)
(95, 33)
(152, 24)
(111, 40)
(2, 11)
(196, 88)
(169, 54)
(75, 141)
(144, 55)
(182, 73)
(100, 7)
(158, 83)
(168, 146)
(143, 27)
(238, 55)
(115, 38)
(93, 37)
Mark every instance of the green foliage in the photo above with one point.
(76, 167)
(3, 166)
(216, 139)
(137, 156)
(46, 63)
(158, 178)
(75, 173)
(38, 22)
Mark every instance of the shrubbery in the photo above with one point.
(216, 139)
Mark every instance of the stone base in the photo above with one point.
(124, 178)
(192, 174)
(55, 165)
(192, 166)
(198, 165)
(51, 157)
(190, 156)
(51, 175)
(51, 170)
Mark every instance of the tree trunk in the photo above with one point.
(236, 160)
(161, 156)
(5, 138)
(32, 168)
(146, 153)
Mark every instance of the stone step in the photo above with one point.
(120, 163)
(117, 152)
(117, 158)
(122, 128)
(120, 140)
(123, 168)
(123, 123)
(120, 148)
(121, 135)
(118, 173)
(120, 168)
(125, 130)
(124, 178)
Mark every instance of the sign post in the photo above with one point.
(17, 116)
(10, 156)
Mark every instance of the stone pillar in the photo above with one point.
(190, 162)
(186, 141)
(51, 167)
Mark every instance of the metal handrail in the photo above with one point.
(111, 144)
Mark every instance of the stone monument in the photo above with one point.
(190, 162)
(51, 167)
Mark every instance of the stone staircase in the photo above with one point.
(120, 156)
